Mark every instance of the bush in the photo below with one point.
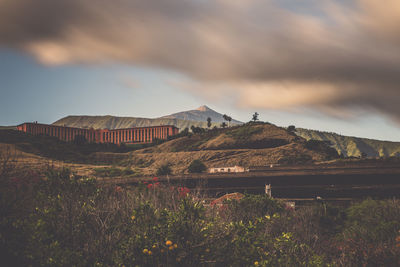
(252, 206)
(164, 170)
(197, 166)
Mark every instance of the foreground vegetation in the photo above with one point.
(67, 220)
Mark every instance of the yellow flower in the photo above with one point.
(256, 263)
(154, 246)
(149, 252)
(168, 243)
(133, 217)
(145, 251)
(268, 217)
(171, 248)
(175, 245)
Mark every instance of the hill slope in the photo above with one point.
(353, 146)
(246, 145)
(200, 114)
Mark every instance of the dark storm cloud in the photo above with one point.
(266, 54)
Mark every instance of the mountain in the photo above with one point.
(197, 118)
(113, 122)
(353, 146)
(200, 114)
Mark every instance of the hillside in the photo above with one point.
(353, 146)
(258, 144)
(247, 145)
(200, 114)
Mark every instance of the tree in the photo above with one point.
(227, 118)
(255, 117)
(197, 166)
(164, 170)
(223, 125)
(291, 129)
(208, 122)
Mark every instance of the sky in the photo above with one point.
(326, 65)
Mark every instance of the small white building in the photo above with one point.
(227, 169)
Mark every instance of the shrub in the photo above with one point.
(197, 166)
(252, 206)
(164, 170)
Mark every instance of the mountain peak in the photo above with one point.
(203, 108)
(200, 114)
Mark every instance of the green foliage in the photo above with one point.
(255, 117)
(197, 166)
(291, 128)
(209, 122)
(67, 220)
(197, 130)
(369, 238)
(243, 132)
(253, 206)
(164, 170)
(322, 146)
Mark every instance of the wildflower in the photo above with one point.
(155, 179)
(149, 186)
(171, 248)
(256, 263)
(175, 245)
(149, 252)
(154, 246)
(168, 243)
(267, 217)
(145, 251)
(118, 189)
(133, 217)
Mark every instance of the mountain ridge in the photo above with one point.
(351, 146)
(200, 114)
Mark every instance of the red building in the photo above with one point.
(117, 136)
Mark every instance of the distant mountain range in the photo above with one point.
(197, 117)
(200, 114)
(346, 145)
(353, 146)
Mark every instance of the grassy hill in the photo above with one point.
(258, 144)
(353, 146)
(112, 122)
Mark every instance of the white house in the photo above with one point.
(227, 169)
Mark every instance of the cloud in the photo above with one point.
(270, 54)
